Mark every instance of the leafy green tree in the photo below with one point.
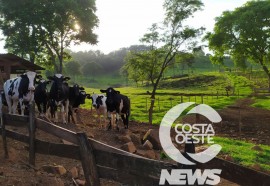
(143, 65)
(185, 59)
(73, 68)
(39, 26)
(243, 34)
(170, 38)
(91, 69)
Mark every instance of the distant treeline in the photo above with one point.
(96, 63)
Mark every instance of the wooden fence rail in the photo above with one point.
(105, 161)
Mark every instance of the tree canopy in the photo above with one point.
(35, 27)
(166, 40)
(243, 34)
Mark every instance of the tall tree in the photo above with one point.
(170, 38)
(47, 26)
(243, 34)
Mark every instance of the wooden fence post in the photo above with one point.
(88, 161)
(32, 130)
(202, 99)
(197, 117)
(4, 137)
(181, 98)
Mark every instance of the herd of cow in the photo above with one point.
(20, 91)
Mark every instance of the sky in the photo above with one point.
(123, 22)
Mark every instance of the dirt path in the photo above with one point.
(255, 122)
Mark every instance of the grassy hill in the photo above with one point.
(169, 94)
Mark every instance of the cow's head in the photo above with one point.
(41, 84)
(29, 79)
(77, 89)
(110, 93)
(82, 96)
(97, 100)
(59, 81)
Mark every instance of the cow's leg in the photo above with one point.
(48, 111)
(127, 118)
(76, 116)
(22, 109)
(104, 118)
(65, 111)
(74, 120)
(116, 121)
(44, 108)
(63, 114)
(14, 106)
(9, 105)
(22, 105)
(69, 114)
(110, 119)
(39, 108)
(124, 117)
(113, 120)
(55, 114)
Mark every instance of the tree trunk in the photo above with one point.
(266, 71)
(151, 109)
(153, 95)
(61, 63)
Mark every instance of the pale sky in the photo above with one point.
(123, 22)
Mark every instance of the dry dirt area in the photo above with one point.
(16, 171)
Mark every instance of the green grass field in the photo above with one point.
(262, 102)
(242, 152)
(166, 98)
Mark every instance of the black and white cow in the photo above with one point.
(41, 96)
(80, 100)
(118, 104)
(59, 94)
(99, 103)
(3, 102)
(74, 100)
(20, 89)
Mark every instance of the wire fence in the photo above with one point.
(162, 102)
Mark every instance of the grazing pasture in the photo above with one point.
(208, 88)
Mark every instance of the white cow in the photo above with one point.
(99, 103)
(20, 89)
